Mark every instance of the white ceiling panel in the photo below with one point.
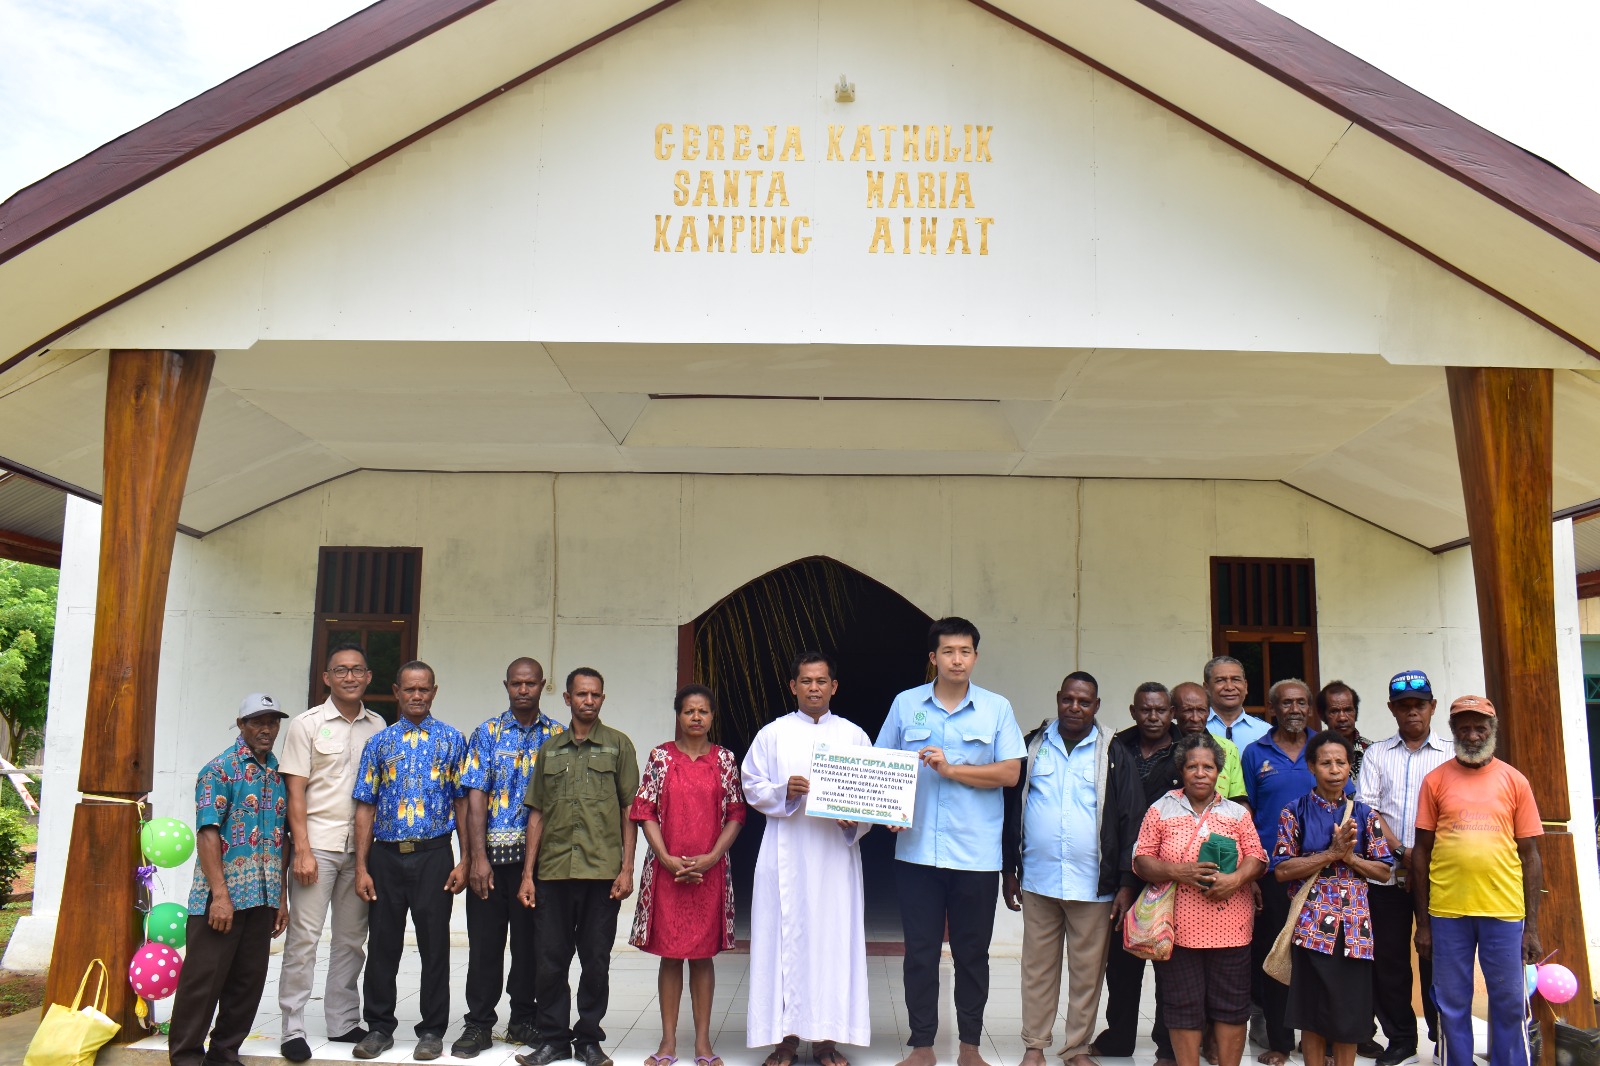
(390, 367)
(879, 370)
(824, 426)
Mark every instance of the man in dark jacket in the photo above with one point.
(1147, 744)
(1070, 827)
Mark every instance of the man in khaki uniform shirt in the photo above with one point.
(580, 848)
(321, 752)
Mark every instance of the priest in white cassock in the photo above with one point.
(808, 949)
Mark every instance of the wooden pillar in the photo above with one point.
(153, 404)
(1504, 444)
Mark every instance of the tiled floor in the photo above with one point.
(633, 1022)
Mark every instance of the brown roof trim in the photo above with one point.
(1588, 584)
(1516, 179)
(195, 126)
(1521, 182)
(338, 179)
(1288, 175)
(26, 549)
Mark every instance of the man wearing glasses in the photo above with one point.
(321, 751)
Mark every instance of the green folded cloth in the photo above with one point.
(1224, 851)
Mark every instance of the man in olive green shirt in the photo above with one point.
(1191, 707)
(582, 841)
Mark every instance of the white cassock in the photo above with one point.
(808, 950)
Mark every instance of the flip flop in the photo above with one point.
(708, 1060)
(784, 1054)
(660, 1060)
(828, 1055)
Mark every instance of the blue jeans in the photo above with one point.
(1497, 944)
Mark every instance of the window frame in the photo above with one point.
(1225, 632)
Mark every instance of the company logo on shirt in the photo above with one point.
(920, 717)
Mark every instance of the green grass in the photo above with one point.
(8, 921)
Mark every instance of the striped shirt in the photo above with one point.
(1391, 779)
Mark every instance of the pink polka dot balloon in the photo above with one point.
(153, 973)
(1557, 984)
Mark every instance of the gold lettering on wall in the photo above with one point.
(928, 187)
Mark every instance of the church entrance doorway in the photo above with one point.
(742, 649)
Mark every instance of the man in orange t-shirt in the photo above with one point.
(1478, 877)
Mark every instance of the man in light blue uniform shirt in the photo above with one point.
(1069, 834)
(947, 871)
(1227, 688)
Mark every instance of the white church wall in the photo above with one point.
(1096, 218)
(601, 569)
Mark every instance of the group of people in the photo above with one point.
(354, 828)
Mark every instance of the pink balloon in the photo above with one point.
(153, 973)
(1557, 983)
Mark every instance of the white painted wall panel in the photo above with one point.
(1104, 575)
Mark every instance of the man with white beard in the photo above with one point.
(808, 949)
(1478, 878)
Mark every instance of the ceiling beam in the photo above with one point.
(26, 549)
(1588, 584)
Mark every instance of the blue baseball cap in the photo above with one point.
(1410, 684)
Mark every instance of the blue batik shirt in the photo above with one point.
(412, 774)
(244, 800)
(500, 758)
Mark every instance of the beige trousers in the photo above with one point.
(335, 890)
(1085, 929)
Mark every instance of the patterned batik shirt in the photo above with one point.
(1339, 898)
(500, 758)
(412, 774)
(244, 801)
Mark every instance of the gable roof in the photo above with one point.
(1506, 220)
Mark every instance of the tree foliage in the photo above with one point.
(27, 633)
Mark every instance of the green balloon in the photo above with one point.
(167, 841)
(166, 923)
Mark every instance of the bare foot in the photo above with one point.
(1032, 1057)
(920, 1056)
(1081, 1060)
(968, 1056)
(1272, 1058)
(1166, 1062)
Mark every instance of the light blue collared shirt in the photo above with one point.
(1060, 834)
(1247, 729)
(954, 826)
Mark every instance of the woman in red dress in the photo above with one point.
(691, 808)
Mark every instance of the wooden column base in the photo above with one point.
(1561, 927)
(97, 918)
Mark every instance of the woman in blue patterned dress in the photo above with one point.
(1330, 990)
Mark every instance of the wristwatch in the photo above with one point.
(1399, 852)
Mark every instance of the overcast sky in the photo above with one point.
(75, 74)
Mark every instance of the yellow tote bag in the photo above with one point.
(72, 1036)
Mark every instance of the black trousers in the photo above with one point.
(581, 917)
(488, 923)
(1124, 989)
(1270, 995)
(409, 884)
(931, 899)
(223, 973)
(1392, 916)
